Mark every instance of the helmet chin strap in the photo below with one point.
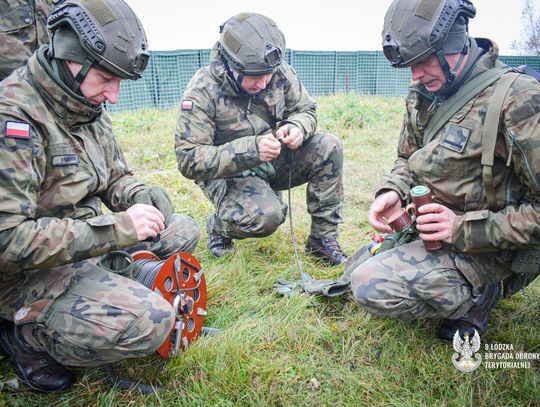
(81, 75)
(448, 73)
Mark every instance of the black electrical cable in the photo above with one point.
(149, 271)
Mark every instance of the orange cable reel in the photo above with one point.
(180, 281)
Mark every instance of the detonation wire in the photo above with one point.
(303, 278)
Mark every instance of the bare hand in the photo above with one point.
(435, 222)
(269, 147)
(148, 220)
(290, 135)
(382, 207)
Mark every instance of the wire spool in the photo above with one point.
(181, 274)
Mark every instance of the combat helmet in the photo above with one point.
(416, 29)
(251, 44)
(110, 34)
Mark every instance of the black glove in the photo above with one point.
(158, 198)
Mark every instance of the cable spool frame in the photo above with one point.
(180, 274)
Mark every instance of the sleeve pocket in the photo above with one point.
(103, 226)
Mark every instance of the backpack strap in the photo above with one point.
(489, 134)
(459, 99)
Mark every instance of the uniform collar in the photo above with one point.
(70, 109)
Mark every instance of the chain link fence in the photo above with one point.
(321, 72)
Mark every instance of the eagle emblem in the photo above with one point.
(466, 347)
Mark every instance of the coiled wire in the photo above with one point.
(149, 270)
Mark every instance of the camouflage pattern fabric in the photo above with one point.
(83, 315)
(248, 206)
(59, 161)
(23, 28)
(54, 181)
(409, 282)
(216, 145)
(450, 166)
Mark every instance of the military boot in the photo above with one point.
(37, 370)
(476, 318)
(218, 245)
(327, 249)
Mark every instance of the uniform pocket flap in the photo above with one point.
(476, 215)
(15, 16)
(104, 220)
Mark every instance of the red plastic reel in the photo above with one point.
(166, 283)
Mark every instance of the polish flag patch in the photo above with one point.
(187, 105)
(17, 129)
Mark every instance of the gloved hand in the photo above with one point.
(158, 198)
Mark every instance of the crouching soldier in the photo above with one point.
(60, 160)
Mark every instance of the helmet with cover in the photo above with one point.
(251, 44)
(103, 34)
(414, 30)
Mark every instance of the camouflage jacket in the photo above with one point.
(59, 159)
(450, 166)
(23, 28)
(217, 129)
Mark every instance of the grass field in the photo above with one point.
(280, 351)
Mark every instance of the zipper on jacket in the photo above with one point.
(513, 142)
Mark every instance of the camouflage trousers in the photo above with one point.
(248, 206)
(84, 315)
(408, 282)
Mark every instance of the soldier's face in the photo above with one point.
(98, 87)
(254, 84)
(430, 73)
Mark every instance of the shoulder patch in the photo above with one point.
(187, 105)
(16, 129)
(456, 137)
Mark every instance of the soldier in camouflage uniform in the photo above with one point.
(23, 28)
(245, 120)
(461, 282)
(60, 160)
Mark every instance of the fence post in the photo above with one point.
(335, 72)
(199, 56)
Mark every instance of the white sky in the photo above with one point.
(330, 25)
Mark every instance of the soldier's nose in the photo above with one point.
(416, 72)
(113, 91)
